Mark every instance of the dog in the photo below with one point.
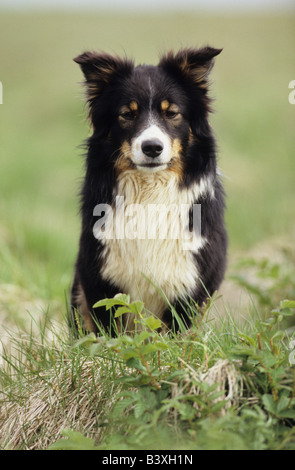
(151, 146)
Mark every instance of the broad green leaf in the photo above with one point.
(143, 335)
(135, 364)
(75, 441)
(287, 304)
(121, 310)
(269, 403)
(139, 409)
(137, 306)
(283, 403)
(123, 297)
(129, 353)
(148, 348)
(153, 323)
(113, 343)
(119, 299)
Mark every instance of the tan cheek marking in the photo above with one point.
(125, 149)
(177, 166)
(176, 148)
(123, 162)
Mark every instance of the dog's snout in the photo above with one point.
(152, 148)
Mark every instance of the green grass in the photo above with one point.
(42, 124)
(212, 387)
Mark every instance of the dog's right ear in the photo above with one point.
(101, 70)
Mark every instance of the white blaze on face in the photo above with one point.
(151, 133)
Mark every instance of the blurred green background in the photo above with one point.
(42, 124)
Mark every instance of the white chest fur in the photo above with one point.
(151, 261)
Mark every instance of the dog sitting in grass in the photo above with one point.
(152, 203)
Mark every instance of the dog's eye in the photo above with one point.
(171, 114)
(128, 115)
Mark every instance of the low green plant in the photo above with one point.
(167, 401)
(214, 386)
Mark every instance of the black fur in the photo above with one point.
(110, 83)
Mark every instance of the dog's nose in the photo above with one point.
(152, 148)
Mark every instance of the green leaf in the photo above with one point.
(86, 341)
(287, 304)
(142, 336)
(153, 323)
(94, 349)
(135, 364)
(269, 403)
(75, 441)
(123, 297)
(121, 406)
(152, 347)
(278, 336)
(268, 359)
(139, 409)
(283, 403)
(137, 307)
(104, 303)
(121, 310)
(287, 414)
(129, 353)
(218, 406)
(119, 299)
(113, 343)
(148, 348)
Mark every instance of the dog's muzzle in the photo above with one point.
(151, 149)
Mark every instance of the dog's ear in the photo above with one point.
(100, 70)
(191, 64)
(191, 68)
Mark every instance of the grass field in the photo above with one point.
(42, 124)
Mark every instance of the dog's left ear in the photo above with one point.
(191, 64)
(100, 70)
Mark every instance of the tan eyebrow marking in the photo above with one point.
(133, 106)
(165, 105)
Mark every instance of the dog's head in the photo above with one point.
(149, 115)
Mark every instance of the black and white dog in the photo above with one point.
(152, 147)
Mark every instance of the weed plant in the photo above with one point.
(209, 387)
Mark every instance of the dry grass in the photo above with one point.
(53, 400)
